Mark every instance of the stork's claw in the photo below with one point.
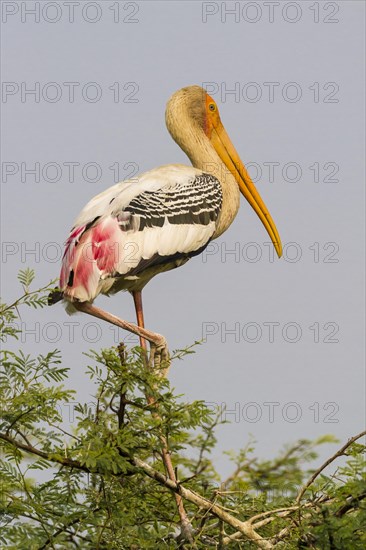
(159, 359)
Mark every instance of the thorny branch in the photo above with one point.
(326, 463)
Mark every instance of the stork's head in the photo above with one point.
(191, 113)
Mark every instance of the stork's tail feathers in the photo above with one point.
(56, 295)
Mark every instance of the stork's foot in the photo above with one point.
(159, 354)
(159, 359)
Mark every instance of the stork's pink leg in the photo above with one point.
(153, 337)
(137, 298)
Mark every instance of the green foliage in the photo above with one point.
(78, 484)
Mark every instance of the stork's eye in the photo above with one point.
(212, 107)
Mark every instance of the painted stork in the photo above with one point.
(158, 221)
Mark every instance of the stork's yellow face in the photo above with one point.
(221, 142)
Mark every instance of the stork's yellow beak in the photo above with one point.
(226, 151)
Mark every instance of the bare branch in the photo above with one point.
(244, 527)
(326, 463)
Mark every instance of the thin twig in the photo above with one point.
(62, 529)
(25, 295)
(122, 398)
(47, 456)
(340, 452)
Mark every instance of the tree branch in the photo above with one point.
(353, 500)
(259, 520)
(47, 456)
(340, 452)
(243, 526)
(62, 529)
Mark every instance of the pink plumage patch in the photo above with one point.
(105, 245)
(90, 254)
